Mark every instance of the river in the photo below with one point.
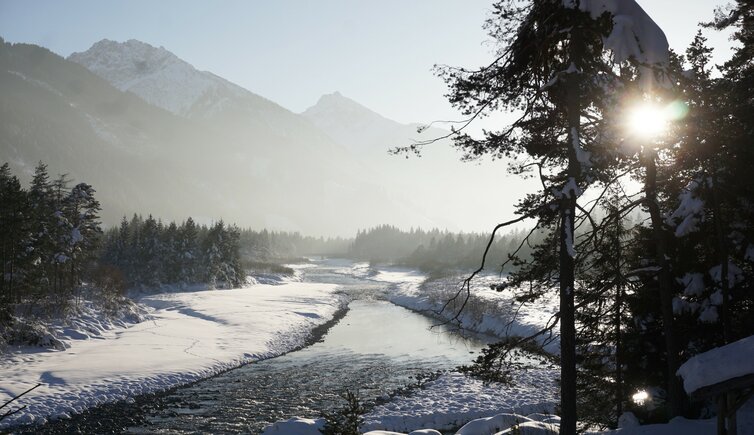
(375, 350)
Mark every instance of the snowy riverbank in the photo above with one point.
(453, 399)
(487, 311)
(189, 336)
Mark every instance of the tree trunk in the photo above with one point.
(617, 320)
(567, 321)
(567, 271)
(675, 393)
(722, 251)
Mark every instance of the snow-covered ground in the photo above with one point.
(192, 335)
(511, 423)
(454, 399)
(718, 365)
(189, 336)
(487, 311)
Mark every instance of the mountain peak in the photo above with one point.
(155, 74)
(130, 57)
(330, 104)
(334, 98)
(164, 80)
(351, 123)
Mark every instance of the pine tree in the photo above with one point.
(170, 253)
(43, 241)
(14, 237)
(602, 317)
(188, 251)
(552, 70)
(81, 209)
(550, 61)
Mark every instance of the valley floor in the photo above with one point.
(188, 336)
(193, 335)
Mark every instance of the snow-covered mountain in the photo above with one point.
(156, 75)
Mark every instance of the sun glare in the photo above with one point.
(648, 121)
(640, 397)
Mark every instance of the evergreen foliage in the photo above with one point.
(345, 421)
(268, 245)
(49, 240)
(647, 293)
(434, 251)
(148, 253)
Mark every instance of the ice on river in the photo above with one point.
(189, 336)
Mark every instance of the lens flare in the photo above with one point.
(676, 110)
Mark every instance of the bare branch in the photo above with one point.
(466, 285)
(14, 411)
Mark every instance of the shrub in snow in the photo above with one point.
(347, 420)
(21, 331)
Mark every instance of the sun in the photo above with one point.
(648, 121)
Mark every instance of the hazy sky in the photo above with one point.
(379, 53)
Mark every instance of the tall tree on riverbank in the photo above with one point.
(549, 62)
(552, 71)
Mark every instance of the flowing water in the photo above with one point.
(376, 349)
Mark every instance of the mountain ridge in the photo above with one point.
(224, 152)
(159, 76)
(246, 164)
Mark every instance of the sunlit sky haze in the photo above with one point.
(377, 53)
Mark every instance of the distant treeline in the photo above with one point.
(147, 253)
(280, 245)
(435, 249)
(51, 242)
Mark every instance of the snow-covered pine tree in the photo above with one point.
(552, 71)
(136, 266)
(602, 316)
(14, 238)
(220, 255)
(43, 222)
(188, 252)
(61, 232)
(734, 187)
(170, 253)
(81, 210)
